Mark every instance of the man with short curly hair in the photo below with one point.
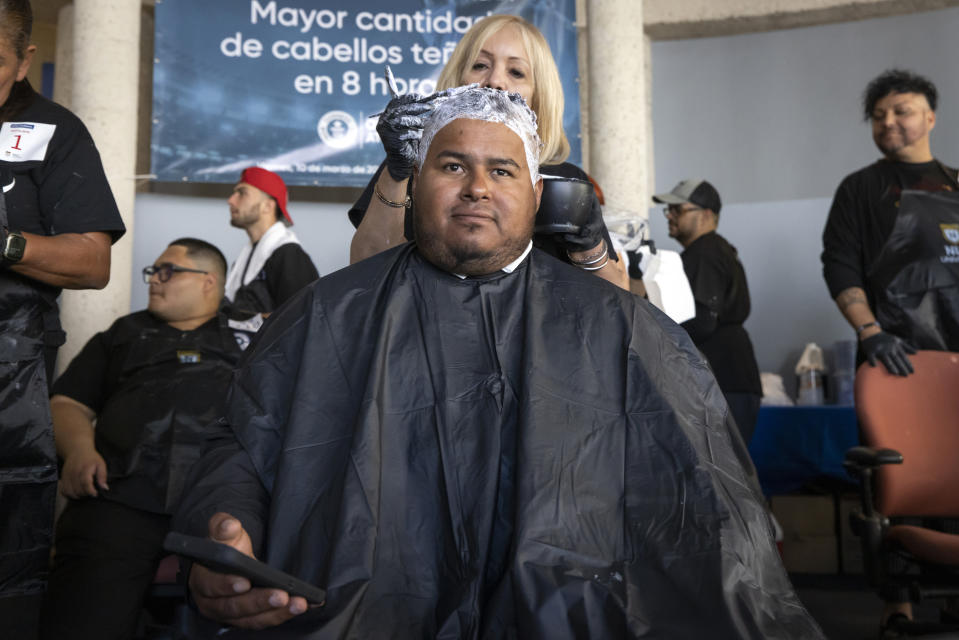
(901, 200)
(891, 245)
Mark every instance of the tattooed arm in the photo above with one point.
(854, 306)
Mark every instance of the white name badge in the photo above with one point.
(25, 141)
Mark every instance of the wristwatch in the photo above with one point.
(13, 247)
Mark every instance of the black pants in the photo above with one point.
(745, 410)
(19, 616)
(106, 557)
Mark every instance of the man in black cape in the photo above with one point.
(466, 438)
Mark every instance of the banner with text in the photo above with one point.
(291, 85)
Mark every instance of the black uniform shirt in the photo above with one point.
(719, 288)
(155, 390)
(285, 272)
(66, 191)
(61, 190)
(863, 213)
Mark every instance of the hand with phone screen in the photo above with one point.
(233, 599)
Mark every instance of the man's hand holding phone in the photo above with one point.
(232, 599)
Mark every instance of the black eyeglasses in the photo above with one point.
(165, 271)
(677, 210)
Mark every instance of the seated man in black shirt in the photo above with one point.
(152, 382)
(719, 288)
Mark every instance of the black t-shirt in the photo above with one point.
(863, 213)
(285, 272)
(546, 242)
(59, 188)
(155, 390)
(96, 372)
(721, 294)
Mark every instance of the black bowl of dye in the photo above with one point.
(564, 206)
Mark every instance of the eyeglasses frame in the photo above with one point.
(168, 267)
(667, 212)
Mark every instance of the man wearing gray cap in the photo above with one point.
(719, 288)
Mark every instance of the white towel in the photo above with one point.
(275, 237)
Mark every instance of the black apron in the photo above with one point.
(29, 333)
(916, 275)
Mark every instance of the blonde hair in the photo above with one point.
(547, 100)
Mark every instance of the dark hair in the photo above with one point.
(196, 248)
(16, 24)
(897, 81)
(276, 207)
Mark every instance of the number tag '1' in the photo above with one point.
(25, 141)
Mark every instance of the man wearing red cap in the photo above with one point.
(273, 266)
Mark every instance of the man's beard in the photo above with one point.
(464, 258)
(896, 143)
(242, 220)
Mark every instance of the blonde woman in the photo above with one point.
(504, 52)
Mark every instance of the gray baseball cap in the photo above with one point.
(697, 192)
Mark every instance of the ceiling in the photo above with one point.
(48, 10)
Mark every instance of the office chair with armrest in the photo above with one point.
(164, 605)
(909, 468)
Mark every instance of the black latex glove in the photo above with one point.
(400, 127)
(891, 351)
(634, 260)
(589, 235)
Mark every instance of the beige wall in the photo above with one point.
(674, 19)
(45, 37)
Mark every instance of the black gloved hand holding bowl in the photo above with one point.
(569, 209)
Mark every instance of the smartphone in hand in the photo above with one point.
(225, 559)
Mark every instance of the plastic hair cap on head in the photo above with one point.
(490, 105)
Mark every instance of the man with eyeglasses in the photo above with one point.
(153, 382)
(718, 281)
(891, 242)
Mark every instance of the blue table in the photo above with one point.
(793, 446)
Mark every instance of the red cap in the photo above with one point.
(269, 183)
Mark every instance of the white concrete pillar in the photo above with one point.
(105, 61)
(619, 106)
(63, 62)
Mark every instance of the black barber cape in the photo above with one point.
(458, 459)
